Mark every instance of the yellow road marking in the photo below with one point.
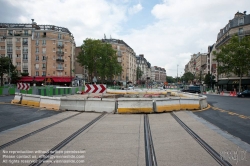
(231, 113)
(208, 106)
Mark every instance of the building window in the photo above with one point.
(44, 58)
(37, 42)
(18, 39)
(25, 41)
(59, 36)
(37, 58)
(65, 73)
(37, 73)
(60, 43)
(241, 31)
(25, 56)
(26, 32)
(44, 66)
(2, 47)
(44, 42)
(37, 49)
(44, 73)
(37, 34)
(10, 56)
(18, 55)
(25, 71)
(9, 48)
(11, 32)
(44, 50)
(241, 21)
(18, 47)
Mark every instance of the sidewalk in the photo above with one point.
(214, 93)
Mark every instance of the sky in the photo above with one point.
(167, 32)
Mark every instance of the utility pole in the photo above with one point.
(177, 74)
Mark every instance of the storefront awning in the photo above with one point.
(61, 79)
(39, 79)
(26, 79)
(222, 82)
(236, 82)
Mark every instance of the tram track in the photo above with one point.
(202, 143)
(35, 132)
(59, 146)
(149, 146)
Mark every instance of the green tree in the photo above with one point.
(234, 57)
(209, 80)
(188, 77)
(170, 79)
(6, 67)
(139, 73)
(99, 58)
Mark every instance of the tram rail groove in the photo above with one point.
(52, 151)
(35, 132)
(203, 144)
(149, 146)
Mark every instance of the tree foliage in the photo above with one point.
(6, 66)
(188, 77)
(234, 57)
(170, 79)
(139, 73)
(100, 59)
(209, 80)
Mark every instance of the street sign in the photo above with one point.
(100, 88)
(23, 86)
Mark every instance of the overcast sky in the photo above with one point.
(167, 32)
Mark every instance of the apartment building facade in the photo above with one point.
(239, 25)
(158, 74)
(42, 51)
(145, 67)
(197, 66)
(127, 59)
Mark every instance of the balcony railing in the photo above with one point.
(25, 67)
(59, 52)
(60, 45)
(59, 60)
(59, 68)
(25, 50)
(9, 50)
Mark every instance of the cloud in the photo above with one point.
(135, 9)
(171, 31)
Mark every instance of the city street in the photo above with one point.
(231, 114)
(15, 115)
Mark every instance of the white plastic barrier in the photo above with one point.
(72, 104)
(31, 100)
(50, 102)
(16, 99)
(135, 105)
(100, 105)
(203, 102)
(167, 104)
(189, 103)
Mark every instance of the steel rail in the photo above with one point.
(35, 132)
(208, 148)
(149, 146)
(52, 151)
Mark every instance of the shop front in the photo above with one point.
(231, 84)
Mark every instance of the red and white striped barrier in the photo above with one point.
(23, 86)
(100, 88)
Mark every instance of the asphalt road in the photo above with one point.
(231, 114)
(15, 115)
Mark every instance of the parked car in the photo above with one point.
(130, 87)
(192, 89)
(245, 93)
